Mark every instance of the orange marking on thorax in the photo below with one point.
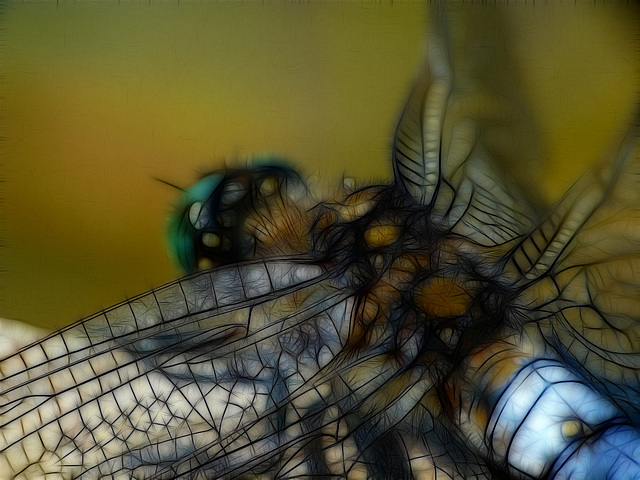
(381, 235)
(442, 297)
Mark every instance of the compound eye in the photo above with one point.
(192, 217)
(211, 218)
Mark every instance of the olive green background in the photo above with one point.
(101, 98)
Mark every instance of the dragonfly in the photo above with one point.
(440, 326)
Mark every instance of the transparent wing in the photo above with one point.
(465, 122)
(202, 366)
(241, 371)
(583, 267)
(557, 394)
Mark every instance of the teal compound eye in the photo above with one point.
(209, 225)
(190, 218)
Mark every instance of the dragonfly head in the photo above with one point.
(209, 226)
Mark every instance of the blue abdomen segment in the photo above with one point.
(549, 423)
(612, 454)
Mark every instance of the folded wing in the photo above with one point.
(193, 377)
(582, 266)
(464, 122)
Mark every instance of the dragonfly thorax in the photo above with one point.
(410, 277)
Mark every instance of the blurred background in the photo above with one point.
(101, 99)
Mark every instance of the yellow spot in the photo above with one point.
(442, 297)
(358, 472)
(572, 428)
(349, 213)
(204, 263)
(210, 240)
(381, 235)
(268, 186)
(355, 206)
(448, 335)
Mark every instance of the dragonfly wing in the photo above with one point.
(463, 123)
(192, 377)
(567, 407)
(582, 268)
(240, 371)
